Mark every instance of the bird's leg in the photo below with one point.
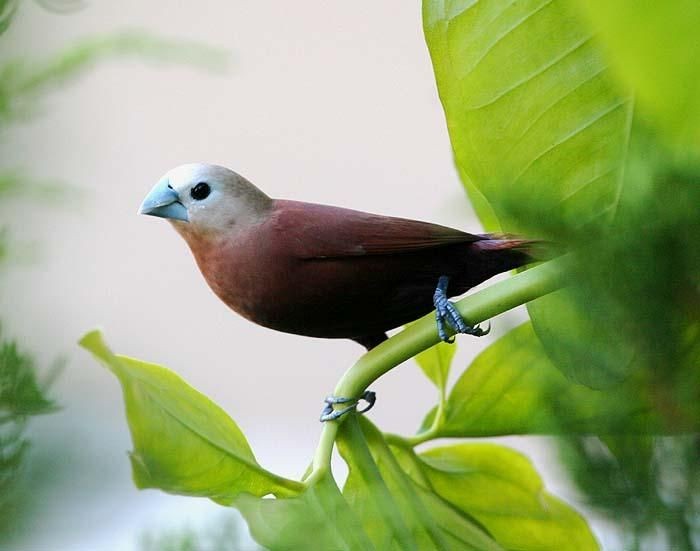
(330, 414)
(446, 314)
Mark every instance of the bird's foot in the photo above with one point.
(331, 414)
(446, 314)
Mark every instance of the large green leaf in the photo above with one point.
(540, 131)
(501, 489)
(396, 512)
(536, 124)
(183, 442)
(318, 518)
(513, 388)
(654, 47)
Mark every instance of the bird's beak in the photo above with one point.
(164, 201)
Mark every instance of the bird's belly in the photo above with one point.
(331, 298)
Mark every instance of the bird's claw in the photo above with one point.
(329, 413)
(446, 315)
(477, 331)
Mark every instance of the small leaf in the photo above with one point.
(501, 489)
(318, 518)
(397, 513)
(513, 388)
(435, 363)
(183, 442)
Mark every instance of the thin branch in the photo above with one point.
(421, 335)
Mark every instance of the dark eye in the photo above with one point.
(200, 191)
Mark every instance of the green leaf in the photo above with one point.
(481, 206)
(536, 124)
(435, 363)
(395, 511)
(584, 340)
(652, 47)
(318, 518)
(513, 388)
(540, 126)
(183, 442)
(501, 489)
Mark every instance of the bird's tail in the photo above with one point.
(514, 251)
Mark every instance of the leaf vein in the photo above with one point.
(498, 38)
(544, 68)
(553, 104)
(588, 183)
(580, 128)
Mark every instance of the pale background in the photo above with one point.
(331, 102)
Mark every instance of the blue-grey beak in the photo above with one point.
(164, 201)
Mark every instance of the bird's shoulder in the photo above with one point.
(324, 231)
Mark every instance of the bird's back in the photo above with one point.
(331, 272)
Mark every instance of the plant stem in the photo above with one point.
(322, 458)
(287, 486)
(410, 442)
(421, 335)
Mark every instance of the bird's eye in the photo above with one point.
(200, 191)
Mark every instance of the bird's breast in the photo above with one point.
(248, 273)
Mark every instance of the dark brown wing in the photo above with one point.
(320, 231)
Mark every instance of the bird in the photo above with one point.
(320, 270)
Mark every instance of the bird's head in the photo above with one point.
(201, 199)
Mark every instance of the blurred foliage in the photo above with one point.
(21, 396)
(24, 84)
(223, 534)
(590, 139)
(648, 486)
(8, 9)
(652, 47)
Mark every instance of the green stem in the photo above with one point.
(322, 458)
(410, 442)
(421, 335)
(287, 486)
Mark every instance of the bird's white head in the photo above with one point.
(204, 198)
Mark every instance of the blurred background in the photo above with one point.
(328, 102)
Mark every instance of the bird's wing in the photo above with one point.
(320, 231)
